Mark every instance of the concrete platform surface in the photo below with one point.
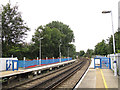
(99, 78)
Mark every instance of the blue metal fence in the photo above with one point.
(105, 62)
(25, 64)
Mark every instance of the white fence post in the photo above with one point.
(37, 61)
(24, 62)
(12, 56)
(47, 60)
(53, 60)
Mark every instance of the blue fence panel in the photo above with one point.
(51, 61)
(43, 62)
(63, 59)
(57, 60)
(23, 63)
(30, 63)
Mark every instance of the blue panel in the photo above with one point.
(105, 62)
(109, 63)
(94, 63)
(100, 63)
(23, 63)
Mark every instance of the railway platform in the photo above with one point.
(99, 78)
(4, 74)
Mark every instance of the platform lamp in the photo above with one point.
(40, 46)
(115, 63)
(68, 53)
(60, 50)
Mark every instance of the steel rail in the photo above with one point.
(56, 80)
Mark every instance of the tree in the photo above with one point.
(101, 48)
(110, 45)
(50, 42)
(54, 34)
(82, 53)
(89, 53)
(67, 34)
(64, 29)
(13, 29)
(72, 50)
(117, 43)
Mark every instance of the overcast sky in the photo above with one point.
(84, 17)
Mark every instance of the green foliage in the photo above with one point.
(89, 53)
(64, 29)
(82, 53)
(101, 48)
(52, 33)
(72, 50)
(117, 43)
(67, 35)
(13, 30)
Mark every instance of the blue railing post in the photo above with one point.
(109, 63)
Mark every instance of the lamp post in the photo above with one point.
(40, 49)
(40, 46)
(68, 53)
(60, 50)
(115, 63)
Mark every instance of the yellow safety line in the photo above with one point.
(105, 84)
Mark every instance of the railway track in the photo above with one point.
(55, 81)
(51, 80)
(74, 79)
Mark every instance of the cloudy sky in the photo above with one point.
(84, 17)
